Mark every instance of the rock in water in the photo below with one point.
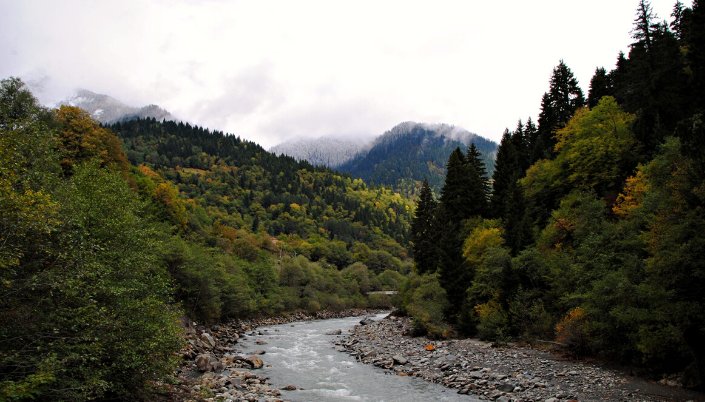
(334, 332)
(366, 321)
(289, 388)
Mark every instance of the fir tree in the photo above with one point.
(463, 196)
(557, 107)
(504, 173)
(600, 85)
(422, 231)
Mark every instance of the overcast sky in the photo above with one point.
(271, 70)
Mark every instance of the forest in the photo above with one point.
(591, 231)
(109, 234)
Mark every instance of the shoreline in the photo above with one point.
(509, 374)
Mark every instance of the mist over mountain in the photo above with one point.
(109, 110)
(411, 152)
(329, 151)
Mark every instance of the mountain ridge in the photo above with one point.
(109, 110)
(410, 152)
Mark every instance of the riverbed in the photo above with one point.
(302, 355)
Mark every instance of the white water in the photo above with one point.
(303, 356)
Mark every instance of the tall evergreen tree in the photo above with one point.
(463, 196)
(507, 201)
(600, 85)
(694, 41)
(480, 182)
(557, 107)
(422, 231)
(504, 174)
(651, 81)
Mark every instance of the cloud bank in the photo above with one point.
(272, 70)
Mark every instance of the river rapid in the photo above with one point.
(302, 355)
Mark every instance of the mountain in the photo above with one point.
(411, 152)
(108, 110)
(328, 151)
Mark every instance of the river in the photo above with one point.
(300, 354)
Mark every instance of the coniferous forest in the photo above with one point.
(592, 233)
(589, 231)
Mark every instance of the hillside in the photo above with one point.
(411, 152)
(244, 186)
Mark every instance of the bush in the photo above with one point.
(427, 302)
(493, 321)
(572, 331)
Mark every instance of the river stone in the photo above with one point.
(203, 362)
(334, 332)
(206, 337)
(399, 360)
(289, 388)
(506, 387)
(255, 362)
(366, 321)
(217, 366)
(257, 352)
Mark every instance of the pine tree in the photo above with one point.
(480, 182)
(504, 174)
(600, 85)
(644, 25)
(557, 107)
(422, 231)
(649, 83)
(463, 196)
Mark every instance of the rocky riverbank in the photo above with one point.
(508, 374)
(213, 369)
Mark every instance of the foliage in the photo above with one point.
(594, 151)
(572, 330)
(85, 304)
(613, 258)
(425, 300)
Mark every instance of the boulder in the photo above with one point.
(203, 362)
(289, 388)
(255, 362)
(208, 339)
(366, 321)
(334, 332)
